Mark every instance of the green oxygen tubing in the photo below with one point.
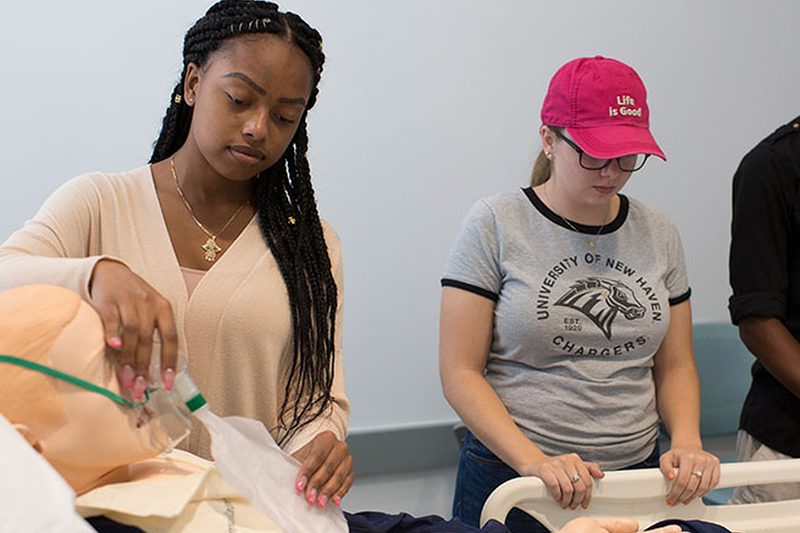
(70, 379)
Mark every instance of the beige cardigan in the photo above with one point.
(235, 329)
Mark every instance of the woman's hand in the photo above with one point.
(610, 525)
(698, 473)
(131, 310)
(568, 477)
(326, 473)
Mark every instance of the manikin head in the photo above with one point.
(85, 435)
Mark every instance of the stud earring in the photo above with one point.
(190, 101)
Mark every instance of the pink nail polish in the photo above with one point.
(322, 501)
(127, 375)
(312, 495)
(337, 500)
(115, 342)
(168, 377)
(301, 484)
(139, 385)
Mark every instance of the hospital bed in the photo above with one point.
(641, 494)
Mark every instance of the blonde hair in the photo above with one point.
(541, 167)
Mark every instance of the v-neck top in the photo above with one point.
(235, 329)
(191, 276)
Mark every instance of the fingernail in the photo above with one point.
(301, 484)
(337, 500)
(127, 376)
(312, 495)
(115, 342)
(168, 377)
(139, 385)
(322, 501)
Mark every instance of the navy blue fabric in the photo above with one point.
(365, 522)
(101, 524)
(692, 526)
(375, 522)
(480, 472)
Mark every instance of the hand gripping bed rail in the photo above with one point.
(641, 494)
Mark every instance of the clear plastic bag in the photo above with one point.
(253, 464)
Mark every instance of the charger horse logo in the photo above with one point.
(600, 299)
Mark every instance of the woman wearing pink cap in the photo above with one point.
(565, 319)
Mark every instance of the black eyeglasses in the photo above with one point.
(627, 163)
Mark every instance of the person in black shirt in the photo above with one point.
(765, 278)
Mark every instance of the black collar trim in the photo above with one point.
(555, 218)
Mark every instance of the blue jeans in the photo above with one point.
(480, 472)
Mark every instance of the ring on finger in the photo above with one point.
(698, 474)
(576, 477)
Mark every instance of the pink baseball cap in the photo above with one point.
(602, 103)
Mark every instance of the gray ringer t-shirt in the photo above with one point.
(575, 328)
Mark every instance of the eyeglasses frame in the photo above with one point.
(581, 153)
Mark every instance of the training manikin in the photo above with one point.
(84, 435)
(88, 438)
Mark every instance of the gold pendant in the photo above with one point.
(211, 248)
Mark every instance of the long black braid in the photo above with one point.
(284, 199)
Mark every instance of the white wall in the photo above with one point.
(425, 107)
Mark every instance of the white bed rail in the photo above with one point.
(641, 494)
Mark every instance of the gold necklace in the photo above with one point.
(571, 225)
(590, 240)
(211, 248)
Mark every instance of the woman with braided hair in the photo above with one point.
(217, 245)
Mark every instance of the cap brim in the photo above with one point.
(606, 142)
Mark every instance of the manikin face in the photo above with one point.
(97, 435)
(249, 99)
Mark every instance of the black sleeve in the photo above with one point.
(764, 190)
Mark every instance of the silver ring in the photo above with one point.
(698, 473)
(576, 477)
